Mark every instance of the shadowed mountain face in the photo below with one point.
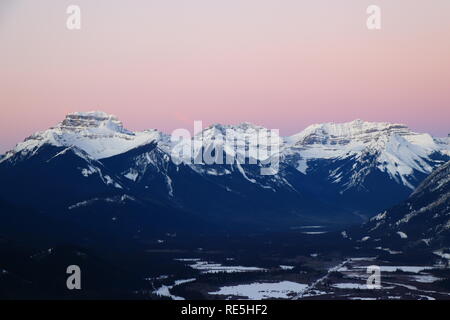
(421, 220)
(91, 170)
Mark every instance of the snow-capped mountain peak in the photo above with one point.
(343, 133)
(98, 121)
(97, 133)
(392, 148)
(355, 167)
(245, 140)
(241, 128)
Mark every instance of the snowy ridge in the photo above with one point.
(98, 134)
(233, 141)
(395, 149)
(235, 146)
(370, 146)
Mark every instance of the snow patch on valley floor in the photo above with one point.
(314, 232)
(211, 267)
(442, 254)
(263, 290)
(389, 250)
(363, 259)
(164, 290)
(411, 269)
(425, 278)
(286, 267)
(360, 286)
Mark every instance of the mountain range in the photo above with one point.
(90, 170)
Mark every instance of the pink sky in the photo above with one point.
(282, 64)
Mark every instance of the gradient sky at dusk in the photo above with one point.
(280, 63)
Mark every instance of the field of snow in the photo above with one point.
(411, 269)
(263, 290)
(208, 267)
(164, 291)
